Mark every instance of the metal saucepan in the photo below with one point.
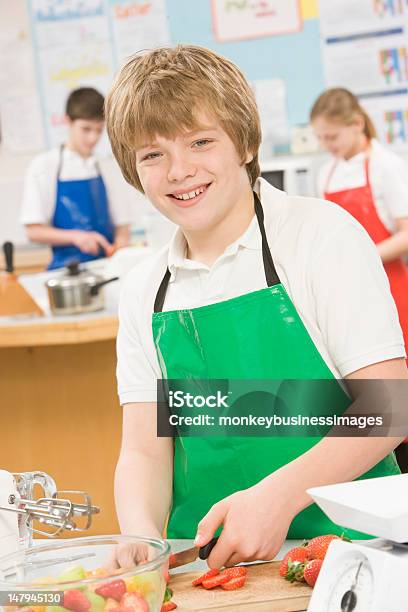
(76, 291)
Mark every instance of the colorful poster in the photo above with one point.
(347, 17)
(68, 68)
(240, 19)
(390, 116)
(367, 64)
(137, 26)
(77, 53)
(365, 49)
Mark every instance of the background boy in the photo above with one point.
(254, 285)
(66, 203)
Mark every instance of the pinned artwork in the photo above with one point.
(240, 19)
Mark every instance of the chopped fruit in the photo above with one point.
(110, 604)
(234, 583)
(72, 574)
(300, 553)
(169, 605)
(134, 602)
(97, 602)
(114, 589)
(317, 547)
(168, 594)
(311, 571)
(235, 572)
(76, 600)
(209, 574)
(144, 584)
(214, 581)
(99, 572)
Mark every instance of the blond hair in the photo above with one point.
(340, 105)
(162, 92)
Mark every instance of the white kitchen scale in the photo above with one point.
(365, 575)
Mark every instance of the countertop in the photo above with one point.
(48, 330)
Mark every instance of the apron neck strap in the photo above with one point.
(271, 275)
(61, 150)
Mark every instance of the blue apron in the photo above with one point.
(80, 205)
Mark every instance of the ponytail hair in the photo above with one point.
(341, 106)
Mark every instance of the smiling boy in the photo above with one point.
(254, 285)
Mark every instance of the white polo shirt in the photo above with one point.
(388, 175)
(325, 260)
(40, 186)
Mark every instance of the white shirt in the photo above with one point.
(388, 175)
(325, 260)
(40, 186)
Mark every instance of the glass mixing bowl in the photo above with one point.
(83, 575)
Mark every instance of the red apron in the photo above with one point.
(359, 202)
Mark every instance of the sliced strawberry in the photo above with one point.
(170, 605)
(134, 602)
(76, 600)
(234, 583)
(214, 581)
(235, 572)
(114, 590)
(311, 571)
(300, 553)
(209, 574)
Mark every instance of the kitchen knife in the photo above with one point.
(191, 554)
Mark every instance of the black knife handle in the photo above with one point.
(8, 256)
(204, 551)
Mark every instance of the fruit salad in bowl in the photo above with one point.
(96, 574)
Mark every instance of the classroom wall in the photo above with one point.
(294, 58)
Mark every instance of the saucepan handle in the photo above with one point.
(95, 288)
(8, 256)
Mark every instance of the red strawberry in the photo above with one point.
(114, 589)
(317, 547)
(300, 553)
(311, 571)
(134, 602)
(235, 572)
(208, 574)
(214, 581)
(234, 583)
(170, 605)
(76, 600)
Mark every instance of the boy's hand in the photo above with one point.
(126, 556)
(255, 524)
(90, 242)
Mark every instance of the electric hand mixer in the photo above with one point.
(56, 510)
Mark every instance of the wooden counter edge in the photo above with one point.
(64, 332)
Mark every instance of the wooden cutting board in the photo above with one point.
(264, 591)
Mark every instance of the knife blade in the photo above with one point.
(191, 554)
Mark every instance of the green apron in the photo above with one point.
(258, 335)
